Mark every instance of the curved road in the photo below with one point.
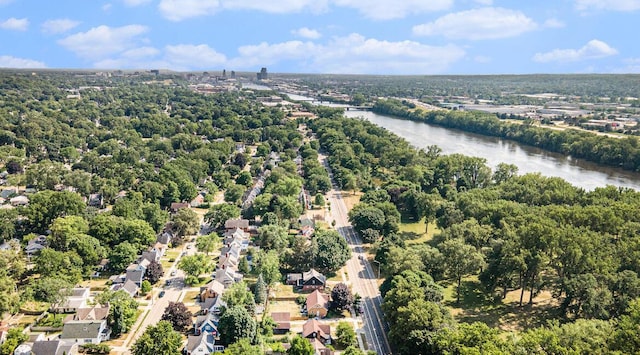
(361, 274)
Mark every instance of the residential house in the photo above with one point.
(177, 206)
(86, 331)
(54, 347)
(19, 201)
(207, 323)
(165, 237)
(319, 348)
(35, 245)
(96, 200)
(95, 312)
(227, 277)
(202, 344)
(197, 201)
(317, 304)
(307, 281)
(237, 236)
(12, 244)
(283, 322)
(213, 305)
(314, 329)
(211, 290)
(78, 298)
(128, 286)
(152, 254)
(230, 259)
(8, 193)
(233, 224)
(135, 273)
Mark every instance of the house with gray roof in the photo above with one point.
(86, 331)
(54, 347)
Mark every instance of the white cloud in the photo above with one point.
(136, 2)
(613, 5)
(478, 24)
(103, 41)
(59, 25)
(305, 32)
(178, 10)
(484, 2)
(7, 61)
(353, 54)
(553, 23)
(190, 56)
(592, 50)
(140, 52)
(15, 24)
(275, 7)
(5, 2)
(106, 7)
(386, 10)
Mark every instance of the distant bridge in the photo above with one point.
(358, 108)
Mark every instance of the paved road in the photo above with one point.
(361, 275)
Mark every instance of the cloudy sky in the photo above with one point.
(325, 36)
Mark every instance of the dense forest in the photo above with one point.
(528, 233)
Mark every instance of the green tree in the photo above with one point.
(207, 243)
(460, 259)
(273, 237)
(260, 290)
(185, 222)
(52, 263)
(122, 255)
(345, 335)
(416, 322)
(235, 324)
(626, 338)
(268, 265)
(195, 265)
(219, 214)
(242, 347)
(145, 287)
(301, 346)
(352, 350)
(45, 206)
(15, 337)
(239, 295)
(331, 251)
(234, 193)
(122, 312)
(158, 339)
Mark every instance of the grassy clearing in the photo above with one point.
(192, 296)
(414, 233)
(505, 314)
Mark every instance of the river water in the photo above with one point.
(495, 150)
(528, 159)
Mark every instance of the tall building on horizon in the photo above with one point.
(262, 75)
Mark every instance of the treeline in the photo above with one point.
(618, 152)
(521, 234)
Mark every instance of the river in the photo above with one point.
(495, 150)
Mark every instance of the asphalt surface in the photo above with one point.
(361, 275)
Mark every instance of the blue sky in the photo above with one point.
(325, 36)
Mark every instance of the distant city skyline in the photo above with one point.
(324, 36)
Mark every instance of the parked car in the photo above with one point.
(173, 273)
(161, 294)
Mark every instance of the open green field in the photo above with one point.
(414, 233)
(505, 314)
